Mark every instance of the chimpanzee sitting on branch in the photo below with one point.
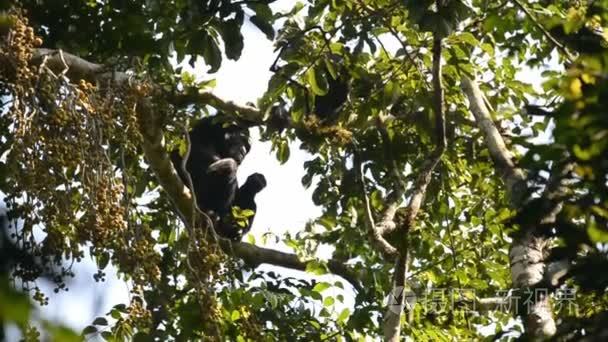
(216, 151)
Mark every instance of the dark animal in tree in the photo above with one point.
(584, 40)
(279, 118)
(216, 151)
(328, 106)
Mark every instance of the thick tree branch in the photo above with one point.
(387, 224)
(155, 152)
(391, 323)
(254, 256)
(513, 177)
(194, 96)
(77, 68)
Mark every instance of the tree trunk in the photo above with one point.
(528, 252)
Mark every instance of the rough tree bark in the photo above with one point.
(528, 251)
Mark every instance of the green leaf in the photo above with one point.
(262, 10)
(488, 48)
(107, 335)
(264, 26)
(188, 79)
(183, 148)
(322, 286)
(205, 45)
(206, 84)
(597, 234)
(235, 315)
(328, 222)
(213, 55)
(103, 260)
(312, 294)
(172, 236)
(468, 38)
(316, 268)
(121, 307)
(247, 213)
(283, 152)
(376, 199)
(343, 316)
(90, 329)
(115, 314)
(317, 82)
(100, 321)
(272, 299)
(231, 34)
(328, 301)
(330, 68)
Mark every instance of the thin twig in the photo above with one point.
(374, 232)
(546, 33)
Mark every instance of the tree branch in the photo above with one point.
(76, 68)
(193, 96)
(254, 256)
(546, 33)
(375, 230)
(513, 177)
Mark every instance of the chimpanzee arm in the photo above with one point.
(245, 200)
(200, 159)
(218, 186)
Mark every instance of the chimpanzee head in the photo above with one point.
(236, 143)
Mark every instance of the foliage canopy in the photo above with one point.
(436, 171)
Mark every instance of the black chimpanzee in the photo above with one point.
(326, 107)
(216, 151)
